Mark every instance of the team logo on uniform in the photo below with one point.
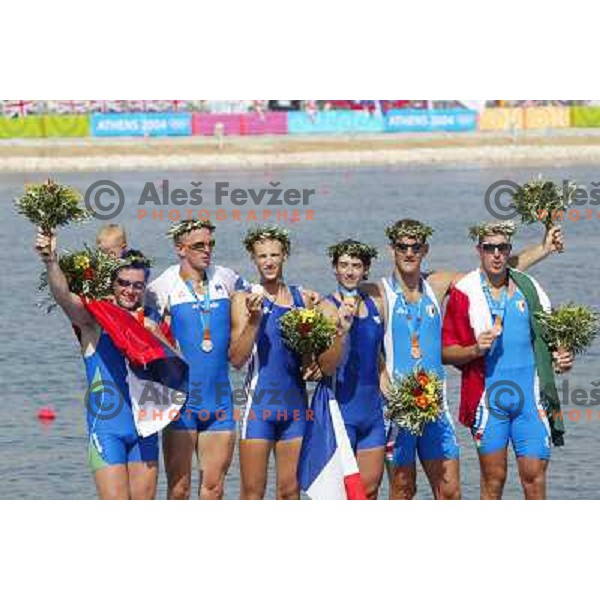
(431, 311)
(377, 319)
(521, 305)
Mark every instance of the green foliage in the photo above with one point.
(570, 326)
(307, 331)
(50, 205)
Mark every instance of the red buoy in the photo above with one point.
(46, 413)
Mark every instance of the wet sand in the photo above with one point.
(524, 148)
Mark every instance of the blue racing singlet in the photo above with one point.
(357, 375)
(397, 342)
(209, 406)
(438, 441)
(109, 404)
(274, 384)
(511, 410)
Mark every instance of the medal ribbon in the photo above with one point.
(497, 307)
(346, 292)
(205, 304)
(413, 318)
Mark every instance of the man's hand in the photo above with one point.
(254, 306)
(554, 240)
(563, 361)
(313, 297)
(346, 314)
(45, 246)
(312, 372)
(485, 341)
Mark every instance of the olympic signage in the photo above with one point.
(141, 124)
(407, 120)
(335, 121)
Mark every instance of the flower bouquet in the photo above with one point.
(307, 331)
(570, 327)
(544, 201)
(415, 400)
(88, 273)
(50, 205)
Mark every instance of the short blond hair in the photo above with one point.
(111, 230)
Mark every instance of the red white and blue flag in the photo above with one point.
(328, 469)
(158, 377)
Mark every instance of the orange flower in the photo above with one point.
(422, 379)
(422, 402)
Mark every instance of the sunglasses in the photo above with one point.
(200, 246)
(136, 285)
(403, 248)
(503, 248)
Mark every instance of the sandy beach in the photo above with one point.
(523, 147)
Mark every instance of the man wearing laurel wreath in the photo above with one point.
(193, 299)
(276, 404)
(125, 465)
(354, 359)
(413, 329)
(491, 335)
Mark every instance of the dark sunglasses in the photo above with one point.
(136, 285)
(416, 247)
(199, 246)
(503, 248)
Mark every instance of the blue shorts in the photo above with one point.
(438, 442)
(194, 418)
(107, 449)
(366, 435)
(525, 427)
(274, 424)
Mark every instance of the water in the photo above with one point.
(40, 362)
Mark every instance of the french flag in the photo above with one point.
(158, 377)
(328, 469)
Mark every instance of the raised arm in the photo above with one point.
(246, 314)
(553, 242)
(45, 246)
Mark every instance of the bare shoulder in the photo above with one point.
(375, 292)
(372, 288)
(441, 281)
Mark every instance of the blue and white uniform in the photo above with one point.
(113, 438)
(357, 379)
(276, 403)
(209, 405)
(511, 410)
(438, 440)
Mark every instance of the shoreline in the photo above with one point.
(522, 148)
